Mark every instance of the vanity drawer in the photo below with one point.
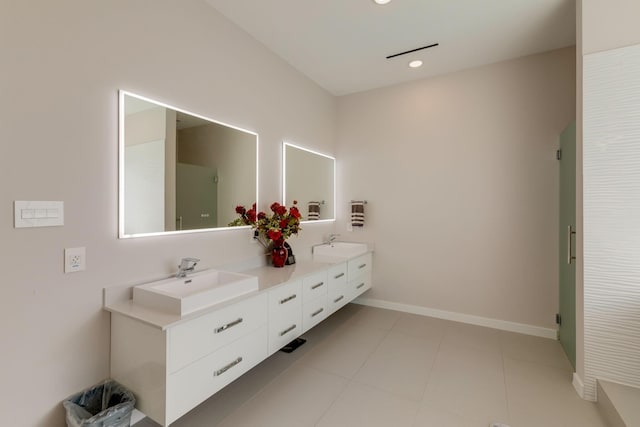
(314, 285)
(338, 274)
(285, 298)
(359, 266)
(194, 339)
(360, 285)
(314, 312)
(338, 298)
(198, 381)
(284, 329)
(337, 281)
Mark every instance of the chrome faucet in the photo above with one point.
(187, 265)
(331, 238)
(327, 241)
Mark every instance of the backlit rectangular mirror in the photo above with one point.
(181, 172)
(309, 178)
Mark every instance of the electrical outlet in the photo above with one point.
(75, 259)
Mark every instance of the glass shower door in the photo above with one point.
(567, 264)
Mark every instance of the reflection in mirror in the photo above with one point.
(309, 178)
(180, 172)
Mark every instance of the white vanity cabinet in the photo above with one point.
(172, 363)
(172, 370)
(285, 314)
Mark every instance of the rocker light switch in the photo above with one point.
(38, 214)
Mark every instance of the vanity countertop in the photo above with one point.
(268, 277)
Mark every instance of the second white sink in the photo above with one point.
(197, 291)
(338, 251)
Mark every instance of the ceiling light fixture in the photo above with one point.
(381, 2)
(415, 64)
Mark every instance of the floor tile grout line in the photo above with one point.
(433, 364)
(349, 381)
(260, 390)
(371, 353)
(392, 393)
(504, 379)
(287, 369)
(338, 395)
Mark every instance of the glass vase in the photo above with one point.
(279, 254)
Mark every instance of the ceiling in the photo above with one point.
(342, 44)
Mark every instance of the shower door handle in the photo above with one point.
(570, 233)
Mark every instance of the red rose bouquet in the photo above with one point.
(277, 227)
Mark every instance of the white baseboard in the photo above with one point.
(578, 385)
(460, 317)
(137, 416)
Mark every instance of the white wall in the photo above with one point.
(62, 64)
(462, 184)
(609, 24)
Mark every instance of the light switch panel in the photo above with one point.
(38, 214)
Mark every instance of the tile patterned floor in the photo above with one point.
(371, 367)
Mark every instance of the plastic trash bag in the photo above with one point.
(107, 404)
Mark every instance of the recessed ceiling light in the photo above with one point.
(415, 64)
(382, 1)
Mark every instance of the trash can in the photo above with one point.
(107, 404)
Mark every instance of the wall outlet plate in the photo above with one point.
(74, 260)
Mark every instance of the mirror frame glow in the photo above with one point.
(284, 178)
(121, 152)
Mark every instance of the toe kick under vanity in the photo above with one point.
(174, 362)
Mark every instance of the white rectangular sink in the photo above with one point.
(196, 291)
(338, 251)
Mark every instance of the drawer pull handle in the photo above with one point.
(341, 297)
(227, 367)
(289, 329)
(318, 311)
(227, 326)
(361, 266)
(287, 299)
(338, 276)
(316, 286)
(360, 285)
